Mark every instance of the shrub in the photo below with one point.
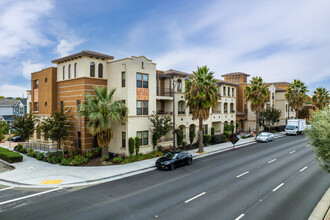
(206, 138)
(18, 147)
(30, 153)
(1, 135)
(56, 159)
(10, 156)
(40, 156)
(179, 137)
(159, 148)
(131, 144)
(117, 159)
(65, 161)
(219, 138)
(137, 145)
(23, 150)
(244, 136)
(104, 158)
(191, 136)
(273, 131)
(89, 154)
(227, 133)
(212, 130)
(78, 160)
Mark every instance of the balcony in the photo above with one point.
(181, 112)
(161, 91)
(162, 112)
(216, 111)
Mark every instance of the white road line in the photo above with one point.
(6, 188)
(303, 169)
(29, 196)
(239, 217)
(279, 186)
(242, 174)
(271, 161)
(292, 152)
(195, 197)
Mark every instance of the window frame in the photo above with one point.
(144, 141)
(92, 69)
(100, 71)
(123, 79)
(123, 139)
(35, 106)
(36, 84)
(75, 70)
(143, 109)
(63, 72)
(141, 83)
(69, 71)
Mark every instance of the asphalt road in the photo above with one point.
(276, 180)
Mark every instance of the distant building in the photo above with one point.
(12, 107)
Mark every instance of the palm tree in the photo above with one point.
(321, 98)
(258, 94)
(296, 94)
(270, 115)
(102, 112)
(201, 94)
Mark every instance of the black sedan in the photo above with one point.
(16, 139)
(174, 159)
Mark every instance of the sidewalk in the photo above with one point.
(34, 173)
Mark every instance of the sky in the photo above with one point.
(278, 40)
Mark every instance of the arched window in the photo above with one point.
(69, 71)
(225, 107)
(100, 70)
(224, 91)
(63, 72)
(232, 107)
(92, 69)
(75, 70)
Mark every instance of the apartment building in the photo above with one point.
(138, 83)
(245, 116)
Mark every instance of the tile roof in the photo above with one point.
(8, 102)
(277, 83)
(279, 89)
(235, 74)
(84, 53)
(177, 72)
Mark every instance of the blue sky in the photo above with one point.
(279, 40)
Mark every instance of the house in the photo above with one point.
(12, 107)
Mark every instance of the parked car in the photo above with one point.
(265, 137)
(172, 160)
(16, 139)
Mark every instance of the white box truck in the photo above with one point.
(295, 126)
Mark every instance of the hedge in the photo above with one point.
(218, 138)
(10, 156)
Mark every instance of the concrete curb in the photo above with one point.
(322, 209)
(122, 175)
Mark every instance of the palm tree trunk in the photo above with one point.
(200, 136)
(257, 122)
(297, 111)
(105, 151)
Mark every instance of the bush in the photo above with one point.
(79, 159)
(104, 158)
(219, 138)
(137, 145)
(40, 156)
(56, 159)
(191, 136)
(212, 130)
(1, 135)
(117, 159)
(273, 131)
(131, 144)
(179, 138)
(244, 136)
(30, 153)
(18, 147)
(89, 154)
(227, 133)
(206, 139)
(23, 150)
(10, 156)
(65, 161)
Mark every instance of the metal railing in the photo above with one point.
(216, 111)
(161, 112)
(38, 146)
(181, 112)
(164, 92)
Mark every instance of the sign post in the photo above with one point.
(233, 139)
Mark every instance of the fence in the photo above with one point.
(38, 146)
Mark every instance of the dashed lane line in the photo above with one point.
(271, 161)
(242, 174)
(279, 186)
(303, 169)
(239, 217)
(292, 152)
(195, 197)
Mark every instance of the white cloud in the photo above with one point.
(8, 90)
(29, 68)
(65, 47)
(21, 25)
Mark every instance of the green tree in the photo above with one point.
(161, 125)
(320, 98)
(179, 137)
(60, 123)
(270, 115)
(296, 95)
(24, 126)
(131, 145)
(19, 98)
(137, 145)
(2, 97)
(4, 127)
(191, 136)
(319, 136)
(102, 112)
(201, 94)
(9, 98)
(258, 94)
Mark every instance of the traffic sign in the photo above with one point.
(233, 138)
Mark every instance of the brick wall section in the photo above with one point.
(142, 94)
(69, 91)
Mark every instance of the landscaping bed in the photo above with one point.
(10, 156)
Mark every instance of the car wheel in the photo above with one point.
(189, 161)
(172, 167)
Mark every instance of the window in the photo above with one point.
(205, 130)
(100, 70)
(45, 104)
(142, 80)
(179, 86)
(78, 105)
(36, 84)
(225, 108)
(144, 137)
(181, 108)
(228, 91)
(45, 80)
(123, 79)
(123, 101)
(63, 72)
(36, 106)
(75, 70)
(69, 71)
(61, 105)
(142, 65)
(273, 96)
(233, 92)
(92, 69)
(142, 107)
(224, 91)
(123, 139)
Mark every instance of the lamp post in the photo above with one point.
(175, 82)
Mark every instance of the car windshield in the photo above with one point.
(289, 127)
(170, 155)
(263, 134)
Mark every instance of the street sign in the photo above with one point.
(233, 138)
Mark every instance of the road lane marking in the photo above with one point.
(271, 161)
(195, 197)
(6, 188)
(279, 186)
(51, 182)
(292, 152)
(303, 169)
(239, 217)
(29, 196)
(242, 174)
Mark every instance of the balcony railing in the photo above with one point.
(216, 111)
(181, 112)
(164, 91)
(161, 112)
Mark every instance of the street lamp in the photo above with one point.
(175, 82)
